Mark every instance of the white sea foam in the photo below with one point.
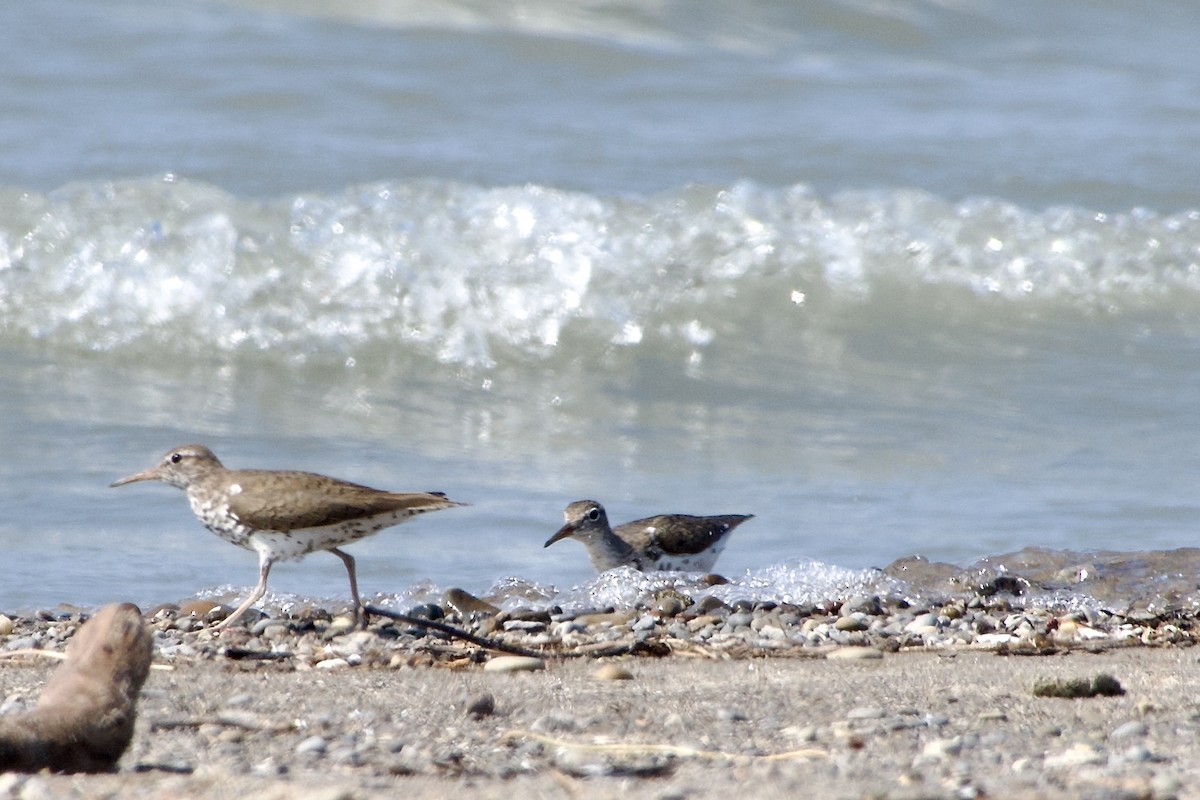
(473, 275)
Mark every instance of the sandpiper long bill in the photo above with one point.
(284, 515)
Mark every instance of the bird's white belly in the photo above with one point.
(697, 562)
(296, 544)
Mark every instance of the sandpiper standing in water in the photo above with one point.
(680, 542)
(284, 515)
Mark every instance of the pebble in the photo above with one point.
(525, 625)
(482, 706)
(6, 626)
(514, 664)
(668, 606)
(612, 672)
(313, 745)
(866, 713)
(333, 663)
(1129, 730)
(644, 623)
(854, 622)
(1077, 755)
(854, 654)
(941, 749)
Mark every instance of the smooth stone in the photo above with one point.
(854, 622)
(741, 619)
(668, 606)
(606, 618)
(333, 663)
(644, 623)
(612, 672)
(708, 605)
(514, 664)
(1077, 755)
(6, 626)
(861, 604)
(1129, 729)
(202, 609)
(554, 723)
(1137, 753)
(943, 748)
(482, 706)
(314, 744)
(866, 713)
(854, 654)
(921, 623)
(467, 604)
(772, 633)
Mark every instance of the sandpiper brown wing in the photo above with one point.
(679, 534)
(314, 501)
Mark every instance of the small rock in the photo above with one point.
(467, 604)
(514, 664)
(23, 643)
(201, 609)
(6, 626)
(861, 604)
(668, 606)
(333, 663)
(427, 611)
(525, 625)
(554, 723)
(742, 619)
(314, 745)
(854, 654)
(866, 713)
(854, 622)
(941, 749)
(1103, 685)
(1129, 730)
(1077, 755)
(612, 672)
(482, 706)
(772, 633)
(644, 623)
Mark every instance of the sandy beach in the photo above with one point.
(819, 722)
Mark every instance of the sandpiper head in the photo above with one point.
(179, 467)
(584, 518)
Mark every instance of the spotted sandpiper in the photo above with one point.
(284, 515)
(679, 542)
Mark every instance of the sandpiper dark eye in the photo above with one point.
(176, 458)
(593, 514)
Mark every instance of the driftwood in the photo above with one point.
(85, 714)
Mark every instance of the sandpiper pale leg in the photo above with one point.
(360, 612)
(264, 569)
